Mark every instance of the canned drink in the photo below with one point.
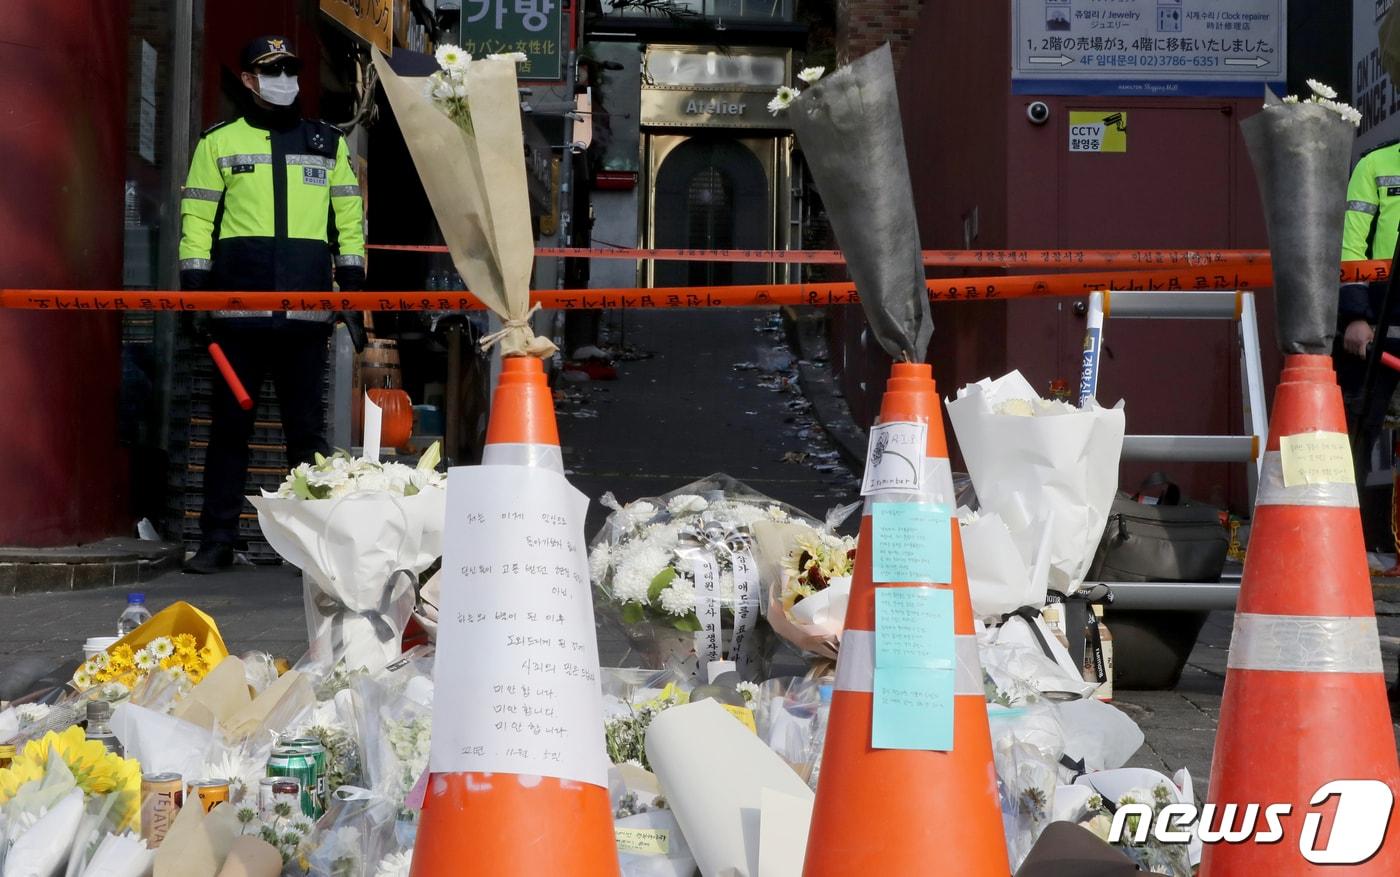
(162, 796)
(314, 747)
(210, 793)
(271, 790)
(300, 764)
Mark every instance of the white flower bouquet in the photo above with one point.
(361, 532)
(686, 566)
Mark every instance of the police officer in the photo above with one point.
(1370, 232)
(271, 203)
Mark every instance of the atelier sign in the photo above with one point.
(696, 108)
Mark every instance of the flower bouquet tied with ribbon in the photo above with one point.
(683, 571)
(361, 532)
(462, 126)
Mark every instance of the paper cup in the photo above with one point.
(95, 644)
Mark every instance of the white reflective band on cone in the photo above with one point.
(1304, 644)
(855, 664)
(1272, 490)
(938, 487)
(523, 454)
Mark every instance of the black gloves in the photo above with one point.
(350, 278)
(193, 280)
(354, 324)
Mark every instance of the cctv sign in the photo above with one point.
(1358, 827)
(1098, 131)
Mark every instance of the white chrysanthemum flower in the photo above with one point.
(749, 690)
(810, 75)
(1351, 114)
(686, 504)
(600, 560)
(782, 100)
(82, 679)
(636, 513)
(631, 585)
(113, 691)
(395, 864)
(517, 57)
(450, 57)
(161, 647)
(1288, 99)
(778, 513)
(1322, 90)
(144, 660)
(97, 662)
(679, 598)
(32, 713)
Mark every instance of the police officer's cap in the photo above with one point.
(265, 50)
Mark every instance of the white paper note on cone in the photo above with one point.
(516, 647)
(374, 423)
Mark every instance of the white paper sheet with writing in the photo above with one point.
(517, 654)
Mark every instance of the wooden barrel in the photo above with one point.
(379, 364)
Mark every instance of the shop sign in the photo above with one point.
(692, 108)
(534, 28)
(370, 20)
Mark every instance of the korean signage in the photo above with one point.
(1373, 94)
(1098, 131)
(370, 20)
(1148, 48)
(538, 29)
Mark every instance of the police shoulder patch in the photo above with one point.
(216, 126)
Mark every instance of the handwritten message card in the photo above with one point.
(912, 542)
(1316, 458)
(517, 654)
(895, 460)
(915, 661)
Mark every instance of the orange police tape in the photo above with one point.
(1055, 259)
(754, 295)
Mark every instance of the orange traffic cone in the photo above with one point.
(1305, 700)
(904, 812)
(504, 824)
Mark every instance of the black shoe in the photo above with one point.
(210, 558)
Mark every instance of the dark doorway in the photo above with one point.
(711, 193)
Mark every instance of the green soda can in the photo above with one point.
(312, 745)
(299, 763)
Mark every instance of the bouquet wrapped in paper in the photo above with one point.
(361, 532)
(812, 568)
(682, 571)
(1048, 471)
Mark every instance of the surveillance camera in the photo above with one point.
(1038, 112)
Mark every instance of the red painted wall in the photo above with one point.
(62, 103)
(1185, 181)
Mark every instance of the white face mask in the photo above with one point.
(280, 90)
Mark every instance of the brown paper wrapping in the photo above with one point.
(197, 844)
(476, 185)
(252, 857)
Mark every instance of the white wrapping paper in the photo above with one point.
(714, 773)
(43, 849)
(120, 855)
(1057, 468)
(349, 550)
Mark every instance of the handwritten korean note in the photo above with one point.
(1316, 458)
(914, 669)
(517, 651)
(912, 542)
(643, 841)
(895, 460)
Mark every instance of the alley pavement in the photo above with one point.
(699, 393)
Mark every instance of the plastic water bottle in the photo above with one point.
(134, 615)
(819, 735)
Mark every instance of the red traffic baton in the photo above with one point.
(216, 353)
(1390, 361)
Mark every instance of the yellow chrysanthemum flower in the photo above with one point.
(97, 771)
(185, 640)
(121, 652)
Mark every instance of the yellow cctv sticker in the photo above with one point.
(1316, 458)
(1098, 131)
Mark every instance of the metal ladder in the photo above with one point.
(1238, 306)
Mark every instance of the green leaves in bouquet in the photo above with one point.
(660, 582)
(304, 489)
(690, 622)
(633, 613)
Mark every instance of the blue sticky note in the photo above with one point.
(912, 542)
(913, 709)
(914, 628)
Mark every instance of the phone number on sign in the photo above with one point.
(1149, 61)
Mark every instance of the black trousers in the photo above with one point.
(294, 353)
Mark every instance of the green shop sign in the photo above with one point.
(535, 28)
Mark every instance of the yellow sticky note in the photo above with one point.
(1316, 458)
(643, 841)
(743, 714)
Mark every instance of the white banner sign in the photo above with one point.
(517, 653)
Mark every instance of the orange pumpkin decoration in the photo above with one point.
(397, 426)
